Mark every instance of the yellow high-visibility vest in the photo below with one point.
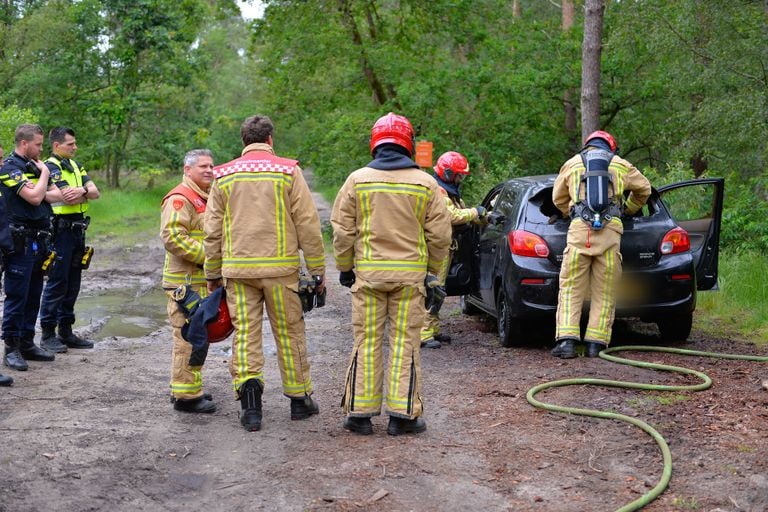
(74, 178)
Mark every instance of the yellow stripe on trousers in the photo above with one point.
(605, 311)
(401, 323)
(281, 336)
(369, 345)
(573, 268)
(241, 339)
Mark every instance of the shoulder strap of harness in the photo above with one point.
(181, 189)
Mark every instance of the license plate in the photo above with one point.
(630, 291)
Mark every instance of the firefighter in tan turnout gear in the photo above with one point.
(260, 214)
(450, 171)
(590, 187)
(391, 233)
(181, 221)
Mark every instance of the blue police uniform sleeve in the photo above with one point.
(14, 179)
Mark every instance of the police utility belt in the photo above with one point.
(39, 240)
(62, 223)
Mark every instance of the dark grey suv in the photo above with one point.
(510, 268)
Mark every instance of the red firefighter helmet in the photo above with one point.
(393, 129)
(220, 328)
(607, 137)
(450, 165)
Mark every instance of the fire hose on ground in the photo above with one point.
(706, 382)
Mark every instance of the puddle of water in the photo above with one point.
(124, 312)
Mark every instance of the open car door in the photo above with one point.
(697, 207)
(461, 279)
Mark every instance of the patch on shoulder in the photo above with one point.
(178, 204)
(16, 175)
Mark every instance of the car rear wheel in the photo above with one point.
(675, 328)
(467, 308)
(510, 329)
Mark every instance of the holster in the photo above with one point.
(41, 239)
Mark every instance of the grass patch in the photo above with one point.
(651, 398)
(741, 305)
(126, 214)
(685, 503)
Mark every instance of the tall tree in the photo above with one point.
(590, 66)
(569, 95)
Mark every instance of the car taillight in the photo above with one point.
(676, 240)
(524, 243)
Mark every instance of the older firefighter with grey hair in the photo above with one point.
(181, 228)
(590, 188)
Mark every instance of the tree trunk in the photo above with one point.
(570, 94)
(590, 66)
(348, 18)
(517, 10)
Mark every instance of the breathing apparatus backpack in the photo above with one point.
(598, 206)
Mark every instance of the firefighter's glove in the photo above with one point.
(347, 278)
(435, 292)
(481, 212)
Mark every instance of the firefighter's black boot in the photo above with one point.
(5, 381)
(199, 405)
(431, 343)
(250, 403)
(13, 358)
(594, 348)
(565, 349)
(362, 426)
(302, 408)
(71, 339)
(32, 352)
(399, 426)
(442, 338)
(50, 341)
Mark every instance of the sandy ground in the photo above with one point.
(95, 430)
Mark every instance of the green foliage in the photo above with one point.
(10, 117)
(129, 212)
(741, 304)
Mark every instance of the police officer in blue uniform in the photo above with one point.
(24, 182)
(69, 225)
(6, 244)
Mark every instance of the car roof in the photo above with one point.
(532, 183)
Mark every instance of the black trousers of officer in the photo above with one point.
(23, 285)
(63, 286)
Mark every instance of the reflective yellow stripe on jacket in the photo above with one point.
(364, 192)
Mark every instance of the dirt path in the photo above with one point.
(95, 429)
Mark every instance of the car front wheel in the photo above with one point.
(675, 328)
(510, 329)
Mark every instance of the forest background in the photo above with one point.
(684, 88)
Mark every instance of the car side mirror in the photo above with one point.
(496, 218)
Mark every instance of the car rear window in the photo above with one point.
(540, 207)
